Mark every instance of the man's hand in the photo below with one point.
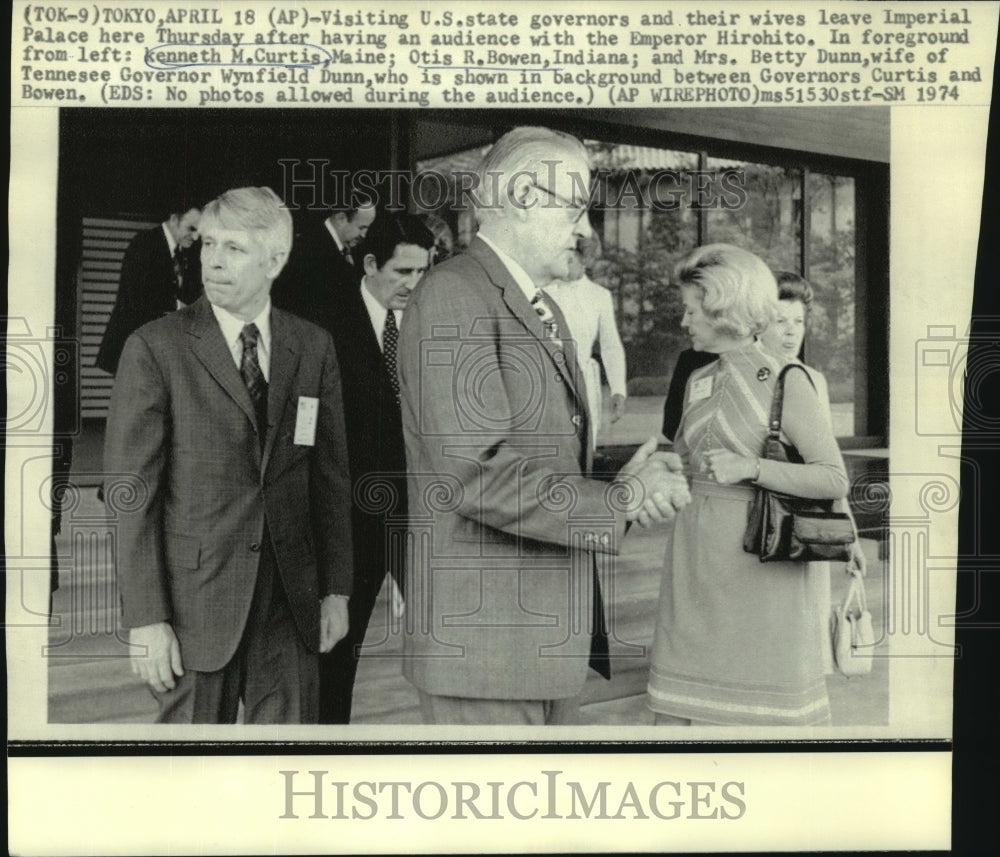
(663, 488)
(333, 621)
(617, 407)
(156, 656)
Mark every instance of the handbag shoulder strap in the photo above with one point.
(855, 592)
(774, 426)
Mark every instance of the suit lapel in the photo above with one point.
(284, 364)
(520, 306)
(210, 348)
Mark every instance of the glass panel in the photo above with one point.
(441, 188)
(830, 340)
(645, 220)
(769, 223)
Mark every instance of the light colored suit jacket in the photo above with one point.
(504, 525)
(181, 432)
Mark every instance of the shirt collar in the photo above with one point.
(376, 312)
(233, 326)
(514, 269)
(171, 243)
(334, 235)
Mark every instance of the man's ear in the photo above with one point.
(276, 262)
(520, 192)
(370, 264)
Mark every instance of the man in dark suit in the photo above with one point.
(234, 558)
(159, 274)
(364, 322)
(322, 266)
(509, 534)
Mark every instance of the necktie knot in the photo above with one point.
(249, 336)
(544, 311)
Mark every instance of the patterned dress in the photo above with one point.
(737, 641)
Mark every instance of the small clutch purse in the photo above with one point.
(853, 635)
(781, 527)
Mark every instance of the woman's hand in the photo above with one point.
(857, 558)
(728, 468)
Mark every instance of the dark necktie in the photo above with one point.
(549, 322)
(390, 339)
(348, 257)
(178, 271)
(253, 377)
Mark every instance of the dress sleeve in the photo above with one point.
(822, 475)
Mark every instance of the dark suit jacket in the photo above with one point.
(500, 596)
(316, 277)
(374, 438)
(687, 361)
(147, 289)
(182, 434)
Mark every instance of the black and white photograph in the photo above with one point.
(551, 434)
(615, 270)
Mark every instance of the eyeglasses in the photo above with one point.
(573, 206)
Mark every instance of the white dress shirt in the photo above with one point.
(232, 327)
(171, 243)
(377, 312)
(334, 235)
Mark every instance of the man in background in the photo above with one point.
(158, 275)
(322, 267)
(364, 324)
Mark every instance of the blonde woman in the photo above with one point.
(735, 640)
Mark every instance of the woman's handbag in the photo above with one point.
(781, 527)
(853, 635)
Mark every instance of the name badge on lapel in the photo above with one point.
(700, 389)
(305, 421)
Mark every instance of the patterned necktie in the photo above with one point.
(390, 339)
(548, 319)
(253, 377)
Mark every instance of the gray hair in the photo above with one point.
(532, 150)
(738, 291)
(258, 210)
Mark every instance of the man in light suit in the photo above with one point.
(322, 267)
(364, 323)
(159, 274)
(234, 559)
(509, 535)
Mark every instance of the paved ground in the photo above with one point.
(90, 681)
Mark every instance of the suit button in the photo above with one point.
(559, 377)
(559, 356)
(255, 547)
